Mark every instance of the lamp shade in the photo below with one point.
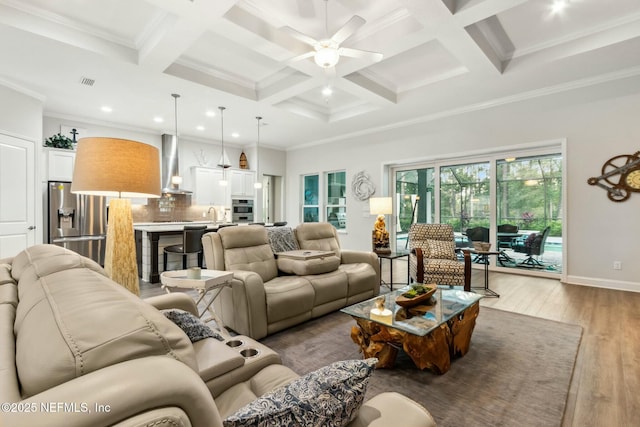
(380, 205)
(116, 167)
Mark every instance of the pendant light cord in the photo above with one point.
(258, 180)
(223, 163)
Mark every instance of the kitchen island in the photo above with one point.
(152, 238)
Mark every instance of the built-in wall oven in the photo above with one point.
(242, 210)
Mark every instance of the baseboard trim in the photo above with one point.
(604, 283)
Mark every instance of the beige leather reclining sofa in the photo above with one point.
(76, 349)
(265, 299)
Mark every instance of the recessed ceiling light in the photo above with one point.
(210, 113)
(559, 5)
(106, 109)
(327, 91)
(235, 134)
(158, 119)
(200, 127)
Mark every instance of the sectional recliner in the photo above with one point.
(264, 299)
(79, 350)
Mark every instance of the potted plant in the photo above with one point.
(59, 141)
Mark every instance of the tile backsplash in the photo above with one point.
(175, 208)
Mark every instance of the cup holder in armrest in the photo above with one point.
(235, 343)
(249, 352)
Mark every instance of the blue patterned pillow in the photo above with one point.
(195, 328)
(328, 397)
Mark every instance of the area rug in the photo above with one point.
(517, 371)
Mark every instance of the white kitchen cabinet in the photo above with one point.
(207, 189)
(242, 183)
(60, 164)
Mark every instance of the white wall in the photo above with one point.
(597, 126)
(20, 114)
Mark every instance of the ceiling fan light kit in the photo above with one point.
(326, 56)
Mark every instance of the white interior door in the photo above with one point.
(17, 195)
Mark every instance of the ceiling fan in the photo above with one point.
(327, 52)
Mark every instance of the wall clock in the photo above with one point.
(620, 177)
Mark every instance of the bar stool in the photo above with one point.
(191, 244)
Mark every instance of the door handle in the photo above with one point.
(31, 227)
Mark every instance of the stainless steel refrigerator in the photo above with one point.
(77, 222)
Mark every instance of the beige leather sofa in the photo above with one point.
(76, 349)
(264, 300)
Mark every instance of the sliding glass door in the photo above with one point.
(414, 201)
(516, 201)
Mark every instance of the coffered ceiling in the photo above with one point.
(440, 58)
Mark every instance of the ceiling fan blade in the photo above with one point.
(300, 36)
(348, 29)
(301, 57)
(360, 54)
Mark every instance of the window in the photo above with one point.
(336, 203)
(464, 195)
(518, 197)
(310, 197)
(529, 193)
(414, 200)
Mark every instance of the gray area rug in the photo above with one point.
(517, 371)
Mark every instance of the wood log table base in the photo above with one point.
(433, 351)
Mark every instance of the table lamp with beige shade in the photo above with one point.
(119, 168)
(380, 206)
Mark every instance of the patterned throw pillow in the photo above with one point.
(441, 249)
(328, 397)
(281, 239)
(195, 328)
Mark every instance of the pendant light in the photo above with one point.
(258, 183)
(176, 179)
(224, 160)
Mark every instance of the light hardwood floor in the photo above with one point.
(605, 389)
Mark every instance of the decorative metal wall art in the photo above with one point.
(362, 187)
(622, 174)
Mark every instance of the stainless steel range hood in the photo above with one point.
(170, 166)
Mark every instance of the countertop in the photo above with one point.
(171, 226)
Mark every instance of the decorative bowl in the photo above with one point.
(405, 301)
(481, 246)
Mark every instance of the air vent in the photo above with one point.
(87, 81)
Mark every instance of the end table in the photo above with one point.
(209, 281)
(391, 256)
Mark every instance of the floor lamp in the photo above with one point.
(122, 169)
(413, 217)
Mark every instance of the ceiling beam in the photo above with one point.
(58, 28)
(178, 31)
(475, 11)
(435, 15)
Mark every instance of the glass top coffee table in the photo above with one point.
(430, 334)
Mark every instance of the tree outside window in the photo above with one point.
(336, 201)
(464, 195)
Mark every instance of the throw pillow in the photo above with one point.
(441, 249)
(195, 328)
(281, 239)
(330, 396)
